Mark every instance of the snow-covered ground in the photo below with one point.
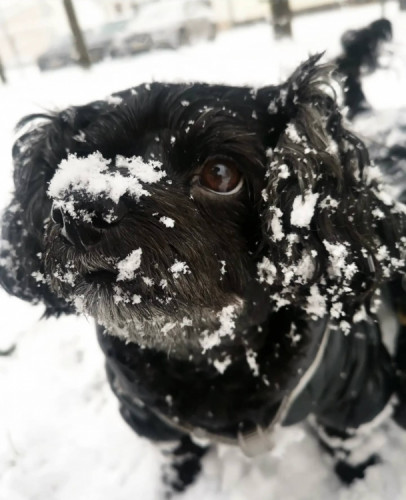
(61, 437)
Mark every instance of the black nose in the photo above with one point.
(79, 233)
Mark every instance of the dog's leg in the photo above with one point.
(351, 452)
(352, 396)
(183, 456)
(183, 464)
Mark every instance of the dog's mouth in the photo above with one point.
(151, 296)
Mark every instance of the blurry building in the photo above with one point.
(28, 27)
(232, 12)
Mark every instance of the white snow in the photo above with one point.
(226, 317)
(316, 304)
(91, 174)
(223, 269)
(252, 362)
(38, 277)
(227, 323)
(221, 366)
(328, 202)
(61, 435)
(128, 266)
(179, 268)
(168, 327)
(267, 271)
(186, 322)
(338, 256)
(80, 137)
(293, 134)
(167, 221)
(136, 299)
(148, 173)
(276, 225)
(303, 209)
(115, 100)
(283, 171)
(148, 281)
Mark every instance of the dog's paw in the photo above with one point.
(183, 466)
(348, 473)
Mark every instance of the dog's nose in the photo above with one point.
(79, 233)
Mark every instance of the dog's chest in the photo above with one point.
(197, 395)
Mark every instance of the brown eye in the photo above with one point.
(221, 176)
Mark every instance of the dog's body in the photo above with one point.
(230, 242)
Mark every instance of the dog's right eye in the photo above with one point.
(221, 175)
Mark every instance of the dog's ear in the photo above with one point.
(331, 234)
(45, 140)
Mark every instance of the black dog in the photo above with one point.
(231, 244)
(361, 50)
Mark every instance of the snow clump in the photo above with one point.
(127, 267)
(94, 176)
(303, 209)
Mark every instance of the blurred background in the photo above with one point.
(39, 37)
(38, 31)
(53, 34)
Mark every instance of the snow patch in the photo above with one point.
(127, 267)
(179, 268)
(226, 318)
(303, 209)
(167, 221)
(114, 100)
(91, 175)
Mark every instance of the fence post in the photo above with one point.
(281, 18)
(84, 59)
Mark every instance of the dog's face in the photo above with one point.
(175, 214)
(175, 246)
